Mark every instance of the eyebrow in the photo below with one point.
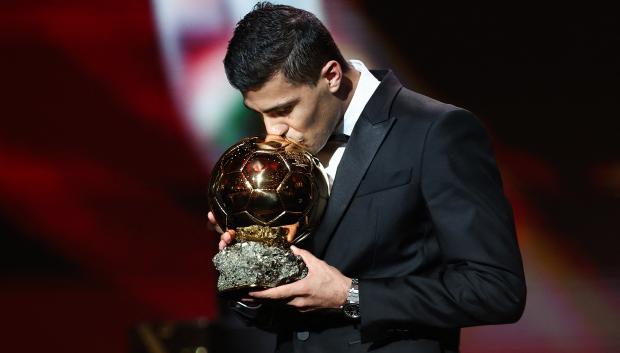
(280, 105)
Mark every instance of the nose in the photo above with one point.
(274, 127)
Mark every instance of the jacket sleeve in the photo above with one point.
(262, 316)
(481, 278)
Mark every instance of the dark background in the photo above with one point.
(546, 83)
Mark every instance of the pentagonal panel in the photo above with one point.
(234, 191)
(296, 192)
(265, 171)
(264, 205)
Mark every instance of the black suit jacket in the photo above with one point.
(417, 212)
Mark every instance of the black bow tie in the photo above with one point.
(341, 138)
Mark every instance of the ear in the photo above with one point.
(331, 74)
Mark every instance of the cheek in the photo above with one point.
(319, 116)
(306, 117)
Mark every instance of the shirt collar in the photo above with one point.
(366, 86)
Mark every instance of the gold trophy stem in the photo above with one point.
(270, 236)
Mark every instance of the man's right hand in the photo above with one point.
(225, 237)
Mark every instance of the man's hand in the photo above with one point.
(225, 237)
(324, 287)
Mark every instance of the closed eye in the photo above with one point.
(284, 111)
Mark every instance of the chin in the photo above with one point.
(312, 150)
(307, 148)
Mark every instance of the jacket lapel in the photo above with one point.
(368, 134)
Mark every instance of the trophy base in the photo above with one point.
(250, 265)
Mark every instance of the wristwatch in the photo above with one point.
(351, 307)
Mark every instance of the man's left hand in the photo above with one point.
(324, 287)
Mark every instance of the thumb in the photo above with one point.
(305, 254)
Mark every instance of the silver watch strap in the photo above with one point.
(354, 292)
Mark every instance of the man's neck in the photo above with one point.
(354, 77)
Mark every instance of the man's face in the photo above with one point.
(302, 113)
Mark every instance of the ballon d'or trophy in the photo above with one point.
(272, 193)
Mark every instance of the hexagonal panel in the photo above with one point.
(234, 159)
(218, 211)
(295, 192)
(265, 171)
(288, 218)
(264, 205)
(234, 191)
(240, 219)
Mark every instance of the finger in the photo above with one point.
(281, 292)
(228, 236)
(213, 222)
(226, 239)
(301, 252)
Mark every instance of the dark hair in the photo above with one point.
(273, 38)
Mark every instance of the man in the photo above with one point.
(417, 239)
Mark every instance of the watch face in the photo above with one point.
(352, 310)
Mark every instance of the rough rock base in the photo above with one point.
(250, 264)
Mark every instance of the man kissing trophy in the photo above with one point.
(272, 193)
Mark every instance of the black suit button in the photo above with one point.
(303, 335)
